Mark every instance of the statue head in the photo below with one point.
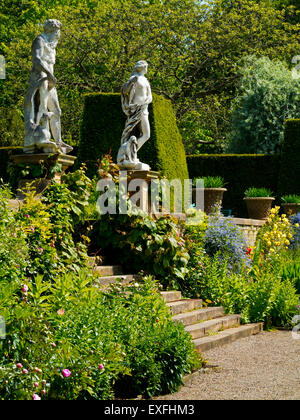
(141, 66)
(52, 26)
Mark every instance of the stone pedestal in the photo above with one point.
(40, 184)
(143, 179)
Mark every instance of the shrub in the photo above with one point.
(224, 238)
(14, 251)
(194, 238)
(11, 127)
(5, 153)
(259, 296)
(153, 246)
(290, 167)
(275, 235)
(69, 352)
(103, 124)
(267, 96)
(244, 170)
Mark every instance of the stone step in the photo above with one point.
(123, 279)
(204, 314)
(108, 270)
(184, 305)
(97, 261)
(204, 328)
(171, 296)
(228, 336)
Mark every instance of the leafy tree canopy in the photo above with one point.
(193, 49)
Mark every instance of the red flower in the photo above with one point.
(249, 250)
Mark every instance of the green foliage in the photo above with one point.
(290, 166)
(253, 192)
(53, 329)
(261, 296)
(145, 244)
(41, 235)
(267, 95)
(291, 199)
(104, 121)
(239, 172)
(211, 181)
(11, 128)
(170, 34)
(5, 153)
(14, 251)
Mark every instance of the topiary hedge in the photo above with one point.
(290, 159)
(103, 124)
(5, 152)
(239, 173)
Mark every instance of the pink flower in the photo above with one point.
(36, 397)
(27, 216)
(19, 365)
(32, 229)
(36, 384)
(25, 371)
(61, 312)
(66, 373)
(43, 391)
(53, 345)
(25, 288)
(101, 367)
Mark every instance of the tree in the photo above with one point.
(192, 47)
(267, 96)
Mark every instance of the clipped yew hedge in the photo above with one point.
(239, 173)
(103, 124)
(289, 179)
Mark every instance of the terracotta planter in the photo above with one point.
(213, 198)
(259, 207)
(291, 208)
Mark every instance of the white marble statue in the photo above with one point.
(136, 96)
(41, 107)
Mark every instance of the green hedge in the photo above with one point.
(289, 179)
(5, 152)
(103, 124)
(239, 173)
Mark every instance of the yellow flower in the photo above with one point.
(296, 225)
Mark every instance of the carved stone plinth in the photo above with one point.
(40, 184)
(145, 187)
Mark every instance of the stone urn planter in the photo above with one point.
(259, 207)
(213, 198)
(290, 208)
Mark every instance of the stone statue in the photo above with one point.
(136, 96)
(41, 106)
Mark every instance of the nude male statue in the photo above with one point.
(41, 99)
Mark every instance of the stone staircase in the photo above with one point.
(209, 326)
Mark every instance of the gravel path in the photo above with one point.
(261, 367)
